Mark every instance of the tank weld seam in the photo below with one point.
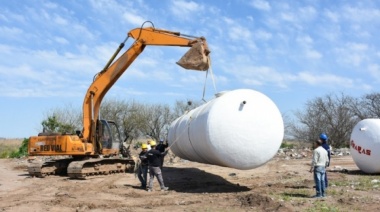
(188, 135)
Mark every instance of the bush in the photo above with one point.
(137, 145)
(22, 151)
(287, 145)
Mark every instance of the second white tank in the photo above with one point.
(365, 145)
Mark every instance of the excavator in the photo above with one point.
(98, 148)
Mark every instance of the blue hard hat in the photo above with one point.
(323, 137)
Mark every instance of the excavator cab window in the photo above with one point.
(106, 136)
(111, 138)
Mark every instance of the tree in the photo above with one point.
(156, 120)
(328, 114)
(135, 119)
(121, 112)
(66, 119)
(367, 106)
(52, 124)
(181, 107)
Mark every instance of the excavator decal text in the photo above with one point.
(56, 148)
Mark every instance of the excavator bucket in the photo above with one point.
(196, 58)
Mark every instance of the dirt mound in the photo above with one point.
(262, 203)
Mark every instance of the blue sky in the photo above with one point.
(292, 51)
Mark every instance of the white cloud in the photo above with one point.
(324, 79)
(313, 54)
(133, 18)
(82, 30)
(305, 40)
(194, 79)
(10, 32)
(106, 6)
(262, 75)
(352, 54)
(12, 16)
(307, 13)
(374, 71)
(357, 47)
(6, 49)
(262, 35)
(261, 5)
(287, 16)
(43, 72)
(237, 32)
(185, 9)
(332, 16)
(3, 18)
(61, 40)
(60, 20)
(50, 5)
(360, 14)
(24, 81)
(250, 18)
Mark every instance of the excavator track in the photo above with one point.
(80, 169)
(102, 166)
(54, 167)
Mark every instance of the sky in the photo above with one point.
(291, 51)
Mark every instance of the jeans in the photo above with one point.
(142, 175)
(319, 179)
(155, 171)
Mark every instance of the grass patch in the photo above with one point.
(13, 148)
(287, 145)
(362, 183)
(322, 206)
(9, 147)
(299, 193)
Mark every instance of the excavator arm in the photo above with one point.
(105, 79)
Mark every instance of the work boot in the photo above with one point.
(164, 188)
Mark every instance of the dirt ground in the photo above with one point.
(283, 184)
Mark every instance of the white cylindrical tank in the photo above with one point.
(241, 129)
(365, 145)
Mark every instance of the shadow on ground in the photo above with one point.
(193, 180)
(353, 172)
(296, 195)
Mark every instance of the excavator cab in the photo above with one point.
(109, 138)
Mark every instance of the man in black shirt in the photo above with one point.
(161, 147)
(143, 167)
(154, 161)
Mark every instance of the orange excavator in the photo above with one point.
(97, 148)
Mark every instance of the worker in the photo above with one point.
(162, 147)
(318, 165)
(154, 162)
(323, 137)
(143, 166)
(148, 144)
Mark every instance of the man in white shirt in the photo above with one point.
(318, 165)
(148, 144)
